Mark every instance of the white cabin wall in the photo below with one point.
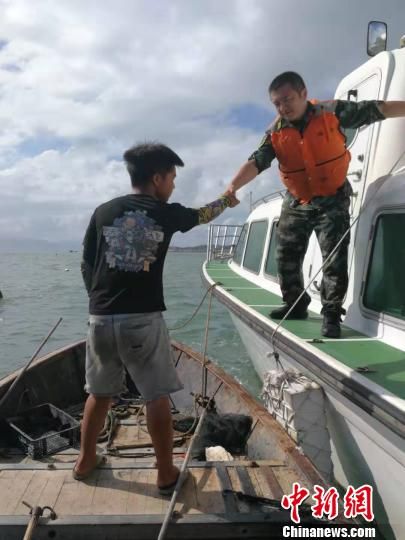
(389, 139)
(386, 147)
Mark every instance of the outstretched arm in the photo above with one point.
(246, 174)
(259, 161)
(392, 109)
(215, 208)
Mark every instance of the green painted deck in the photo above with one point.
(386, 362)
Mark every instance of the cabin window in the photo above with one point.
(350, 134)
(255, 246)
(240, 246)
(385, 284)
(271, 262)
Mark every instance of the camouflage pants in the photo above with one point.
(329, 218)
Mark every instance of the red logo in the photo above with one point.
(356, 502)
(359, 501)
(294, 500)
(326, 502)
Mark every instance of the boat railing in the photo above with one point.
(222, 240)
(267, 198)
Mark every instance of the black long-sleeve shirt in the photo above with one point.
(124, 250)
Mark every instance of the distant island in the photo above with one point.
(189, 249)
(35, 245)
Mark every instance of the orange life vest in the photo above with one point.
(315, 163)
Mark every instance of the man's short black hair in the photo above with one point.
(288, 77)
(145, 160)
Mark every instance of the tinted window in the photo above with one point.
(350, 134)
(385, 284)
(255, 246)
(271, 263)
(240, 246)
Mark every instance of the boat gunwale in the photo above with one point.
(384, 406)
(256, 409)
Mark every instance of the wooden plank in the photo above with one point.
(187, 502)
(256, 485)
(226, 484)
(135, 500)
(126, 435)
(154, 502)
(276, 491)
(132, 465)
(12, 487)
(242, 505)
(50, 494)
(75, 497)
(245, 481)
(111, 493)
(85, 493)
(287, 477)
(32, 492)
(208, 491)
(61, 458)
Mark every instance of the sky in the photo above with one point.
(83, 80)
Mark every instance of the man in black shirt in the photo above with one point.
(123, 256)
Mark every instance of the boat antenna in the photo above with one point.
(22, 372)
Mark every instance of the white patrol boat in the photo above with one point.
(342, 400)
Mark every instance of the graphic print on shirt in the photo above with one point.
(133, 241)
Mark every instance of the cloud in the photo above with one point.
(82, 81)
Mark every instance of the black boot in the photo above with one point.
(299, 311)
(331, 322)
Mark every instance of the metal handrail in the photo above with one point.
(269, 197)
(222, 240)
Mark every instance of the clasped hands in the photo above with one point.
(230, 193)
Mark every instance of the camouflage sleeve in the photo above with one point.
(213, 210)
(264, 155)
(352, 114)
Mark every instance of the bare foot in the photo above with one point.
(86, 464)
(167, 478)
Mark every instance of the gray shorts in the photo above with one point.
(138, 342)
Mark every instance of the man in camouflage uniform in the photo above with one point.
(306, 139)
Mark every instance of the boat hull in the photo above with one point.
(121, 501)
(364, 451)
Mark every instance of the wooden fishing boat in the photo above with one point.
(237, 498)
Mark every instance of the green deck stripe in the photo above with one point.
(387, 361)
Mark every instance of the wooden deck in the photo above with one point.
(120, 501)
(125, 488)
(123, 491)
